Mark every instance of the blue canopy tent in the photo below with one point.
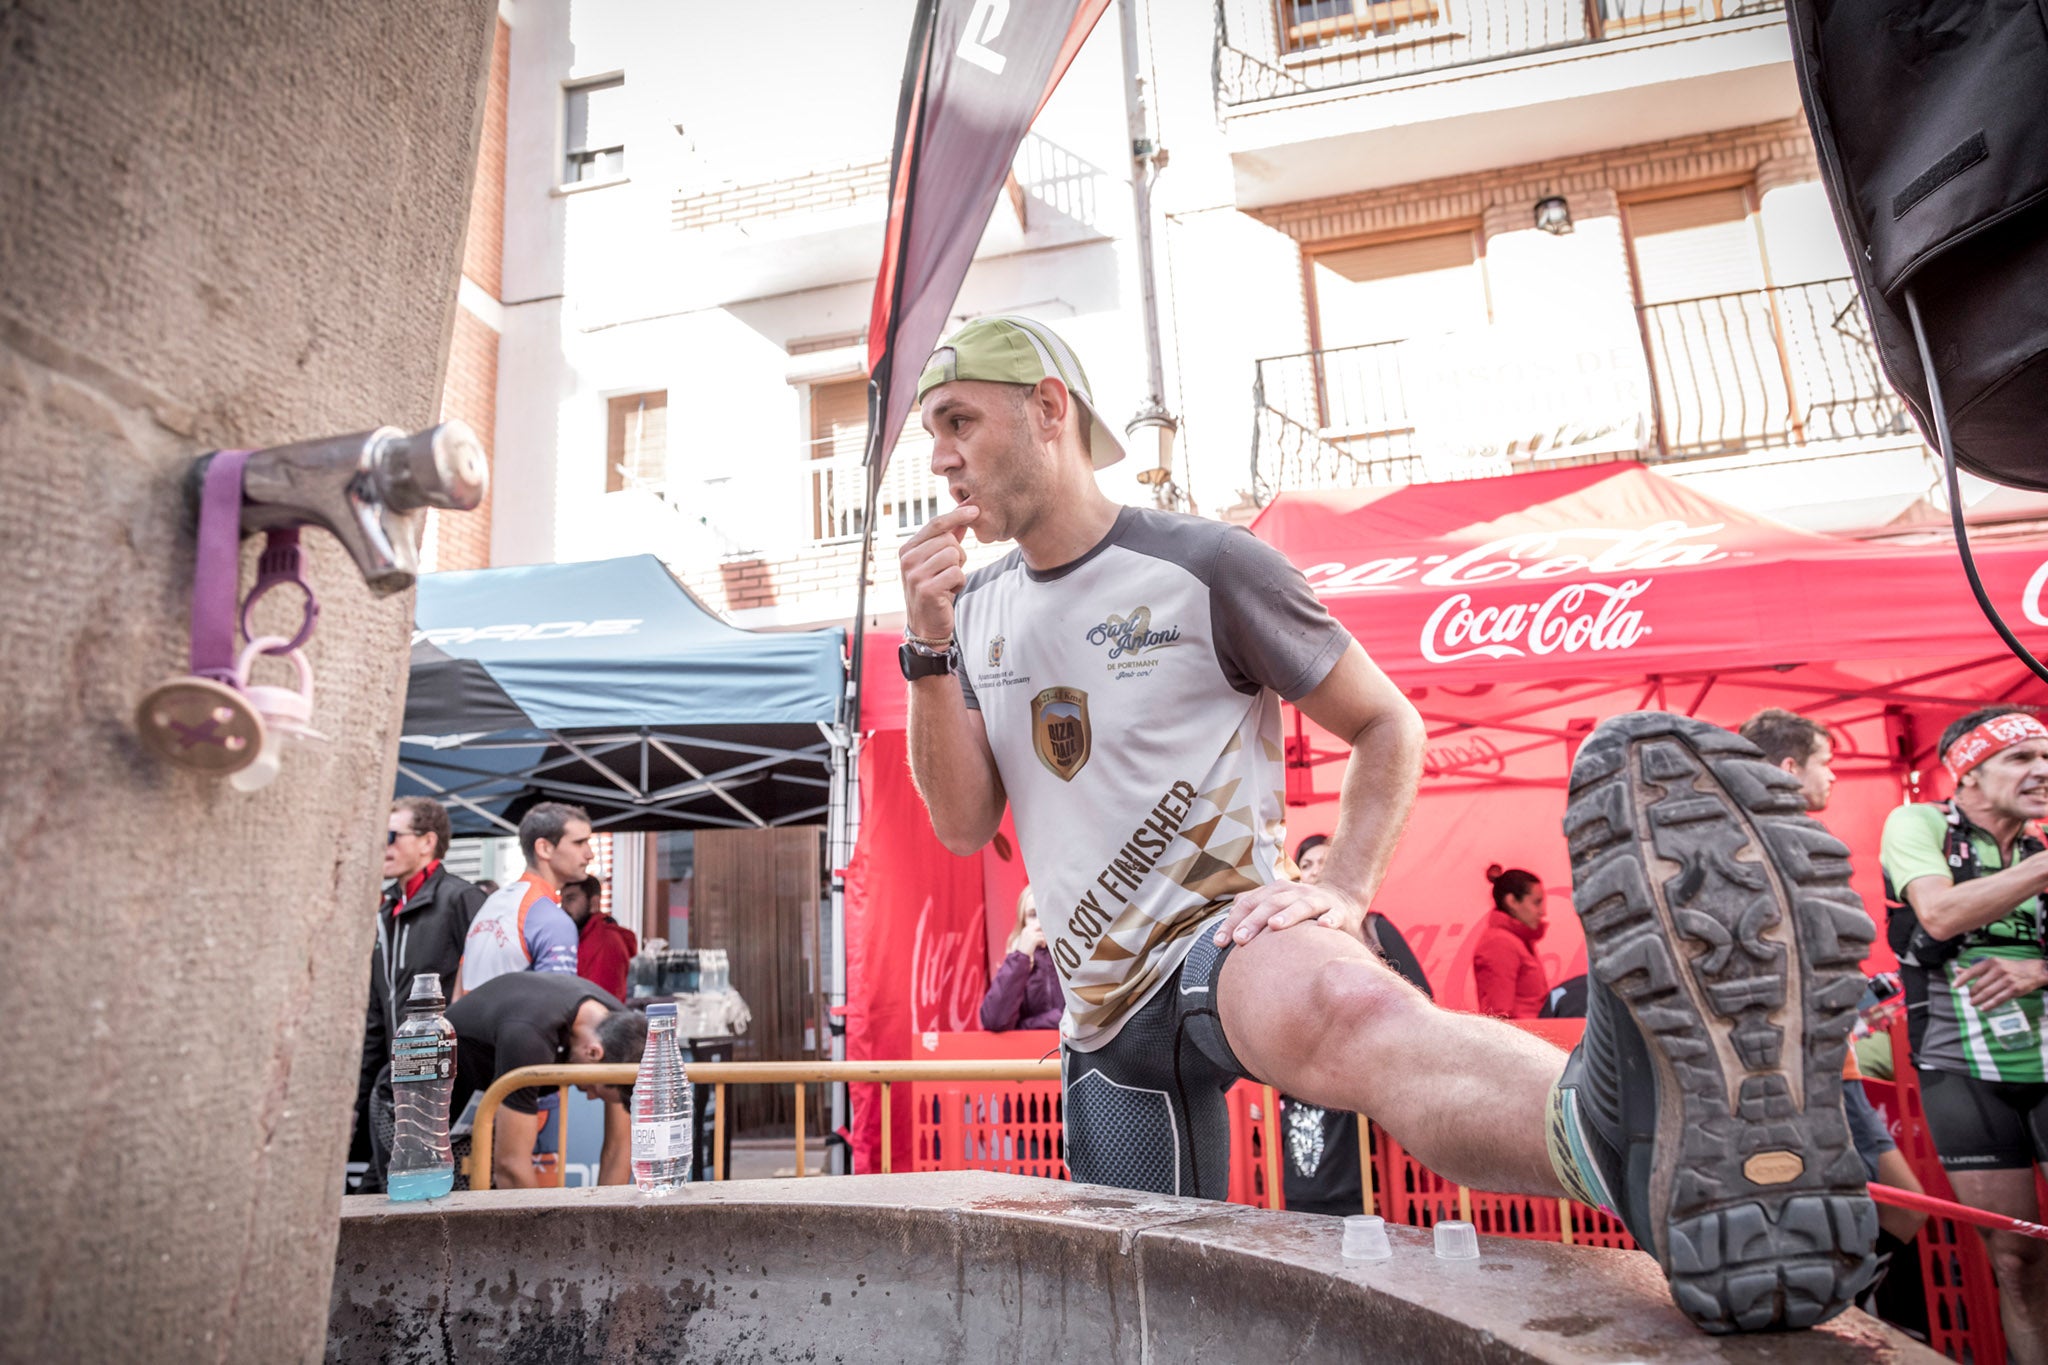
(608, 685)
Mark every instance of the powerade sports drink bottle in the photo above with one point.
(422, 1075)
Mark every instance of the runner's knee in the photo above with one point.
(2017, 1260)
(1352, 992)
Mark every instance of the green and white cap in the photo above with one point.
(1006, 349)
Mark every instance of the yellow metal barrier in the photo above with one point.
(719, 1075)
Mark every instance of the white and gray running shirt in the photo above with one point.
(1132, 699)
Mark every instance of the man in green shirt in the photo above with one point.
(1965, 878)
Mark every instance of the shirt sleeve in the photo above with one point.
(551, 938)
(520, 1045)
(1271, 630)
(1911, 846)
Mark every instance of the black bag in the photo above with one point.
(1931, 124)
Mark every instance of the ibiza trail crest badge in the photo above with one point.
(1059, 730)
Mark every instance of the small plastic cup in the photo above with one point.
(1456, 1241)
(1365, 1238)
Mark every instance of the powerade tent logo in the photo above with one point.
(522, 633)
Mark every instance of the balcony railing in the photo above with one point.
(1763, 369)
(1768, 367)
(1265, 49)
(910, 495)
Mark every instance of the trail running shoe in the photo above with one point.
(1704, 1105)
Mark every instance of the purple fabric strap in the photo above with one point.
(217, 571)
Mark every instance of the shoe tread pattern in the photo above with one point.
(1687, 854)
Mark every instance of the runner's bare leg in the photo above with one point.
(2019, 1263)
(1310, 1011)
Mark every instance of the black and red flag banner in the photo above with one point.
(977, 74)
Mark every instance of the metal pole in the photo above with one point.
(1144, 162)
(1142, 155)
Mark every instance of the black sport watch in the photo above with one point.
(920, 662)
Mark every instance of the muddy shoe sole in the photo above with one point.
(1720, 916)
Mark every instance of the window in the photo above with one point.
(636, 445)
(1394, 290)
(839, 419)
(1309, 24)
(1695, 246)
(909, 495)
(594, 131)
(1717, 344)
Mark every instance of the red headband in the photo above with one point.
(1993, 736)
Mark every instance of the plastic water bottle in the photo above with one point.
(664, 1128)
(422, 1075)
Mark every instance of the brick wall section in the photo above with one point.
(483, 251)
(462, 540)
(1625, 170)
(820, 574)
(835, 188)
(470, 389)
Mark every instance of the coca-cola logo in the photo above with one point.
(2030, 600)
(945, 984)
(1574, 619)
(1469, 755)
(1533, 555)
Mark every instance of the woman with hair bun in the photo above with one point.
(1504, 967)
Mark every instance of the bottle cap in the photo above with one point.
(1365, 1238)
(426, 986)
(662, 1011)
(1456, 1241)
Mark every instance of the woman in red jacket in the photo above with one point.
(1026, 992)
(1504, 966)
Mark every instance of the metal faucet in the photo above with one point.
(370, 490)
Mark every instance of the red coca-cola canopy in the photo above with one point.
(1615, 570)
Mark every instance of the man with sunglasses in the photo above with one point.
(421, 924)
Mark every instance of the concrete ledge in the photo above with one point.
(976, 1267)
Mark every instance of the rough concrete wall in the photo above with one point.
(223, 224)
(975, 1266)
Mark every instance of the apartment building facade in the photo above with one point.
(1533, 232)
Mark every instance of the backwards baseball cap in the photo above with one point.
(1006, 349)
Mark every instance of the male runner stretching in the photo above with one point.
(1116, 681)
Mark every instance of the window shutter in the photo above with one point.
(596, 115)
(1695, 246)
(839, 419)
(1394, 290)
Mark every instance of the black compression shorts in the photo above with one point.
(1145, 1111)
(1985, 1125)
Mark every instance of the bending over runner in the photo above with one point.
(1116, 682)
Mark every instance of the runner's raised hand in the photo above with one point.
(934, 569)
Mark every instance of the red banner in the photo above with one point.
(916, 955)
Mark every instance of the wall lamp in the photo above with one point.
(1554, 216)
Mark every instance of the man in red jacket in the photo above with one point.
(604, 947)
